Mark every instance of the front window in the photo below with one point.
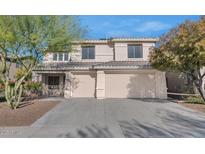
(135, 51)
(53, 82)
(88, 52)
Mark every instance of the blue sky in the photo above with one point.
(130, 26)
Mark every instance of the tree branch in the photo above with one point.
(203, 75)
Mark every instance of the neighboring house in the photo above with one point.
(13, 68)
(181, 83)
(112, 68)
(178, 83)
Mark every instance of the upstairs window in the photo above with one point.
(55, 57)
(60, 57)
(135, 51)
(65, 56)
(88, 52)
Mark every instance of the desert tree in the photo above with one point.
(26, 39)
(182, 50)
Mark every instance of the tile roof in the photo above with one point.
(135, 39)
(65, 65)
(94, 65)
(123, 64)
(118, 39)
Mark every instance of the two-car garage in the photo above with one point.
(117, 84)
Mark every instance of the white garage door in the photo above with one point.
(83, 85)
(130, 85)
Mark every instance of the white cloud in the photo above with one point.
(117, 33)
(120, 24)
(152, 26)
(128, 23)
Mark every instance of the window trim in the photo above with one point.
(64, 56)
(53, 86)
(58, 57)
(141, 45)
(88, 53)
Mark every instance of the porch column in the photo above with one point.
(67, 88)
(34, 76)
(161, 87)
(100, 86)
(61, 86)
(37, 77)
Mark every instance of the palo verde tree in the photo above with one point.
(26, 39)
(183, 50)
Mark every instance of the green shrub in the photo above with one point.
(21, 72)
(195, 100)
(1, 86)
(188, 89)
(32, 88)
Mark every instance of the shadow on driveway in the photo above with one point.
(172, 125)
(92, 131)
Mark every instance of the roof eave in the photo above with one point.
(123, 67)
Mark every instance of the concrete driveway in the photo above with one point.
(86, 117)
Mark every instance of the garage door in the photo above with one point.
(83, 85)
(130, 85)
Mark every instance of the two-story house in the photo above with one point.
(111, 68)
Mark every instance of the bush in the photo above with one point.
(1, 86)
(21, 72)
(188, 89)
(195, 100)
(32, 88)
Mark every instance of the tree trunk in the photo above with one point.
(13, 95)
(199, 87)
(201, 92)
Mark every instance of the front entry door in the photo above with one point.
(54, 88)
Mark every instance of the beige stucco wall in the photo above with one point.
(121, 50)
(107, 52)
(175, 82)
(135, 84)
(113, 84)
(83, 84)
(147, 83)
(161, 86)
(103, 52)
(100, 85)
(12, 71)
(130, 86)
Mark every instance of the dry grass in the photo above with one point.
(26, 114)
(197, 107)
